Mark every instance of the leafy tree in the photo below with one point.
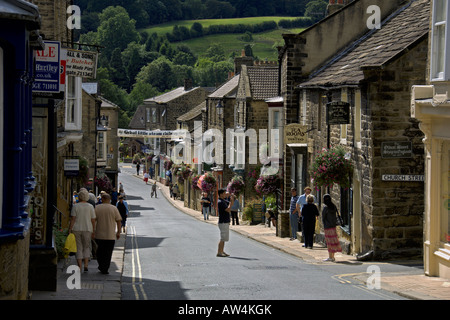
(316, 9)
(152, 74)
(116, 29)
(118, 73)
(140, 92)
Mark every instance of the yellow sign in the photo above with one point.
(295, 133)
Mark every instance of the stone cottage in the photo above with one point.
(372, 75)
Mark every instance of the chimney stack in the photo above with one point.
(335, 5)
(188, 84)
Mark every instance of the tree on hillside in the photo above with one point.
(118, 73)
(116, 30)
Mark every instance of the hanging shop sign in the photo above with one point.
(396, 149)
(81, 64)
(71, 167)
(338, 113)
(48, 68)
(295, 133)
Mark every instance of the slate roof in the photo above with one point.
(169, 96)
(263, 82)
(191, 114)
(136, 122)
(227, 88)
(398, 32)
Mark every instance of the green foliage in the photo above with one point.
(331, 166)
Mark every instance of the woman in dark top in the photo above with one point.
(309, 214)
(329, 219)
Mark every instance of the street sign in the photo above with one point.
(47, 69)
(402, 177)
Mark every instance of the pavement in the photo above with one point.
(411, 285)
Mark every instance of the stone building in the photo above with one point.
(257, 85)
(161, 113)
(430, 104)
(372, 71)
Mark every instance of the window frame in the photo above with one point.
(77, 104)
(436, 51)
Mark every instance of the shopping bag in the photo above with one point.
(70, 245)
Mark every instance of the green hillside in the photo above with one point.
(263, 44)
(164, 28)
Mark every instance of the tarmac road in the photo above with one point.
(172, 256)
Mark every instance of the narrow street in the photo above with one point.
(171, 255)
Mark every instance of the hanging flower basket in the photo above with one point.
(267, 184)
(331, 167)
(207, 182)
(168, 164)
(236, 185)
(195, 180)
(184, 172)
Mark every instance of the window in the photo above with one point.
(344, 98)
(357, 129)
(276, 123)
(101, 145)
(439, 44)
(148, 114)
(304, 107)
(73, 104)
(154, 115)
(1, 135)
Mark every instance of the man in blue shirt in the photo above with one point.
(293, 214)
(302, 200)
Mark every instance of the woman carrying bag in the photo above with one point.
(329, 219)
(82, 224)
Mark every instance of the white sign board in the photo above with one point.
(81, 63)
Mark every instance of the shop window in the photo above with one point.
(440, 44)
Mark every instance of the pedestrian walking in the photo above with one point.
(309, 214)
(293, 214)
(82, 225)
(122, 206)
(329, 219)
(114, 196)
(154, 186)
(171, 189)
(206, 205)
(224, 209)
(107, 231)
(138, 166)
(235, 210)
(146, 177)
(175, 191)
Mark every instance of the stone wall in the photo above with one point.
(14, 269)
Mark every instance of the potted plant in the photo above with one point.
(331, 166)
